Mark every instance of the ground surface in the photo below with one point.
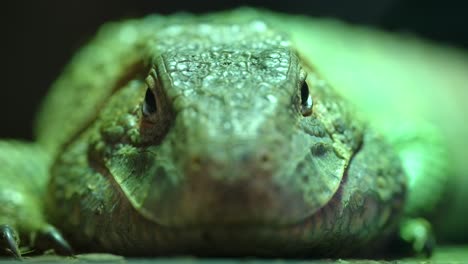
(443, 255)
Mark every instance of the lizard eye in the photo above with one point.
(149, 105)
(306, 100)
(156, 114)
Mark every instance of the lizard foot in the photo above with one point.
(50, 238)
(9, 241)
(417, 234)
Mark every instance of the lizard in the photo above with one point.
(219, 134)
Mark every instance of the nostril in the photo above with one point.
(258, 160)
(196, 162)
(265, 161)
(264, 158)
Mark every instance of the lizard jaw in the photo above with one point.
(246, 194)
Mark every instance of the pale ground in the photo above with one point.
(442, 255)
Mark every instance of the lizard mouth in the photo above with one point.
(261, 216)
(255, 216)
(255, 195)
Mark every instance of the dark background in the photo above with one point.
(39, 37)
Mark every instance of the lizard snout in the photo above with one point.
(230, 187)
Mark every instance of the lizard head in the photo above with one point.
(233, 135)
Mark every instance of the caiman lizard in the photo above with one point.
(232, 134)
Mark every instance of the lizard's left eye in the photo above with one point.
(156, 114)
(149, 106)
(306, 100)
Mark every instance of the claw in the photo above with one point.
(51, 238)
(9, 241)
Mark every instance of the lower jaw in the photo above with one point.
(295, 241)
(219, 242)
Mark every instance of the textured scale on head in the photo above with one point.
(225, 143)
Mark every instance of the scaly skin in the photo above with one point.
(215, 135)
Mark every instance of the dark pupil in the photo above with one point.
(306, 101)
(304, 94)
(149, 107)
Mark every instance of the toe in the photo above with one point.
(9, 241)
(50, 238)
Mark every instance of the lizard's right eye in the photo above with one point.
(306, 100)
(149, 105)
